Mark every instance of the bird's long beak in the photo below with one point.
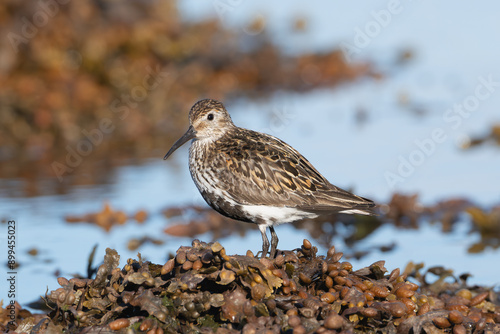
(190, 134)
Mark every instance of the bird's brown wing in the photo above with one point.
(259, 169)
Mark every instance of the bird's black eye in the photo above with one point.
(210, 117)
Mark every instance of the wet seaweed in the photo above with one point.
(204, 290)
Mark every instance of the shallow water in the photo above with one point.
(452, 52)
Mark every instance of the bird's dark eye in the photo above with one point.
(210, 117)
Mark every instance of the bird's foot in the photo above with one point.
(273, 255)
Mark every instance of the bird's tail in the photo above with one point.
(364, 207)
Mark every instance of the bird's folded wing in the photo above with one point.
(267, 171)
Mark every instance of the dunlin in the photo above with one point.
(257, 178)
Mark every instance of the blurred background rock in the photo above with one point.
(112, 81)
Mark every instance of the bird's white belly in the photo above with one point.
(274, 215)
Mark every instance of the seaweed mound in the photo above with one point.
(204, 290)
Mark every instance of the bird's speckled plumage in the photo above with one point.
(255, 177)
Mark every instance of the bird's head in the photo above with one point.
(208, 119)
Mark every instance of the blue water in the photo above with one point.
(454, 45)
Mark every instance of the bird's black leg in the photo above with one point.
(274, 242)
(265, 241)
